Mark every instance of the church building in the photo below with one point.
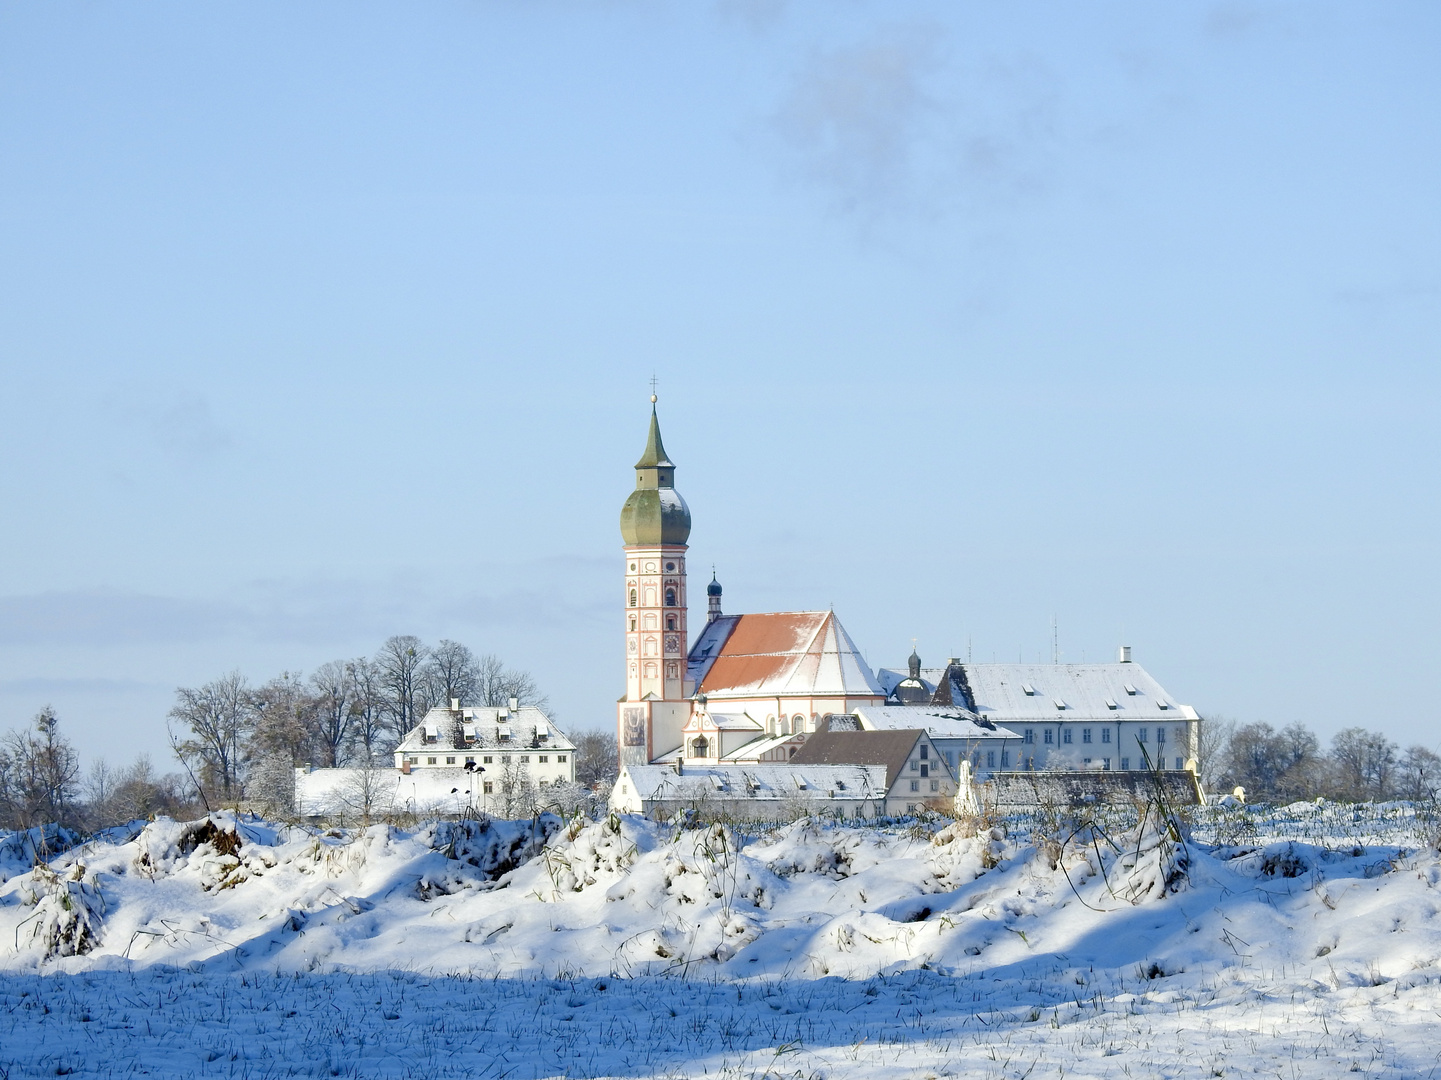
(751, 689)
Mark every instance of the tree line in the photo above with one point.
(239, 742)
(1291, 764)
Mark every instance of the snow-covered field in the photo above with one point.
(625, 948)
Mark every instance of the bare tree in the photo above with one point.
(399, 665)
(333, 689)
(368, 738)
(1214, 739)
(1363, 762)
(452, 674)
(596, 761)
(38, 771)
(1418, 777)
(219, 717)
(496, 684)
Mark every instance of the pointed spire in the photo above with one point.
(654, 449)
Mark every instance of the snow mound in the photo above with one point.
(628, 897)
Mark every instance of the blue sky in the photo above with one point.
(330, 321)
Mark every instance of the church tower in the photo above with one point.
(655, 525)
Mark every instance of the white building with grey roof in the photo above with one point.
(1061, 716)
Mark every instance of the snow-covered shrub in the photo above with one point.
(21, 850)
(69, 911)
(495, 848)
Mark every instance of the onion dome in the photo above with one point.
(654, 513)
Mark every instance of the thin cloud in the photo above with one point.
(853, 116)
(180, 425)
(891, 126)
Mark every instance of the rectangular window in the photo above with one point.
(415, 761)
(487, 760)
(1005, 759)
(1086, 735)
(915, 764)
(951, 758)
(1179, 766)
(430, 761)
(1066, 736)
(1141, 735)
(1160, 735)
(915, 785)
(450, 761)
(1085, 761)
(470, 761)
(1106, 735)
(489, 787)
(925, 770)
(1106, 763)
(1050, 736)
(560, 759)
(1125, 763)
(1030, 736)
(542, 759)
(525, 759)
(990, 759)
(925, 752)
(935, 785)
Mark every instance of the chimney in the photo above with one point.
(405, 767)
(515, 704)
(1125, 654)
(455, 704)
(679, 763)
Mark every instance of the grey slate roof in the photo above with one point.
(889, 748)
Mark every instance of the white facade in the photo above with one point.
(1069, 716)
(498, 749)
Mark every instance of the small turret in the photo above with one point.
(713, 598)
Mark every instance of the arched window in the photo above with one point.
(798, 724)
(670, 622)
(632, 598)
(699, 746)
(670, 598)
(632, 622)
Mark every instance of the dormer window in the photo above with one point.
(1131, 690)
(1030, 691)
(1111, 704)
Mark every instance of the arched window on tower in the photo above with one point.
(632, 598)
(670, 598)
(699, 747)
(670, 622)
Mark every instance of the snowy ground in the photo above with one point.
(650, 951)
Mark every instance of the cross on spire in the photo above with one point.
(653, 381)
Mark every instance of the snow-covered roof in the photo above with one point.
(1012, 693)
(525, 726)
(938, 721)
(785, 654)
(757, 748)
(733, 721)
(760, 782)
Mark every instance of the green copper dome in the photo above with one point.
(654, 513)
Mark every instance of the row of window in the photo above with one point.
(916, 785)
(488, 759)
(1105, 762)
(1066, 733)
